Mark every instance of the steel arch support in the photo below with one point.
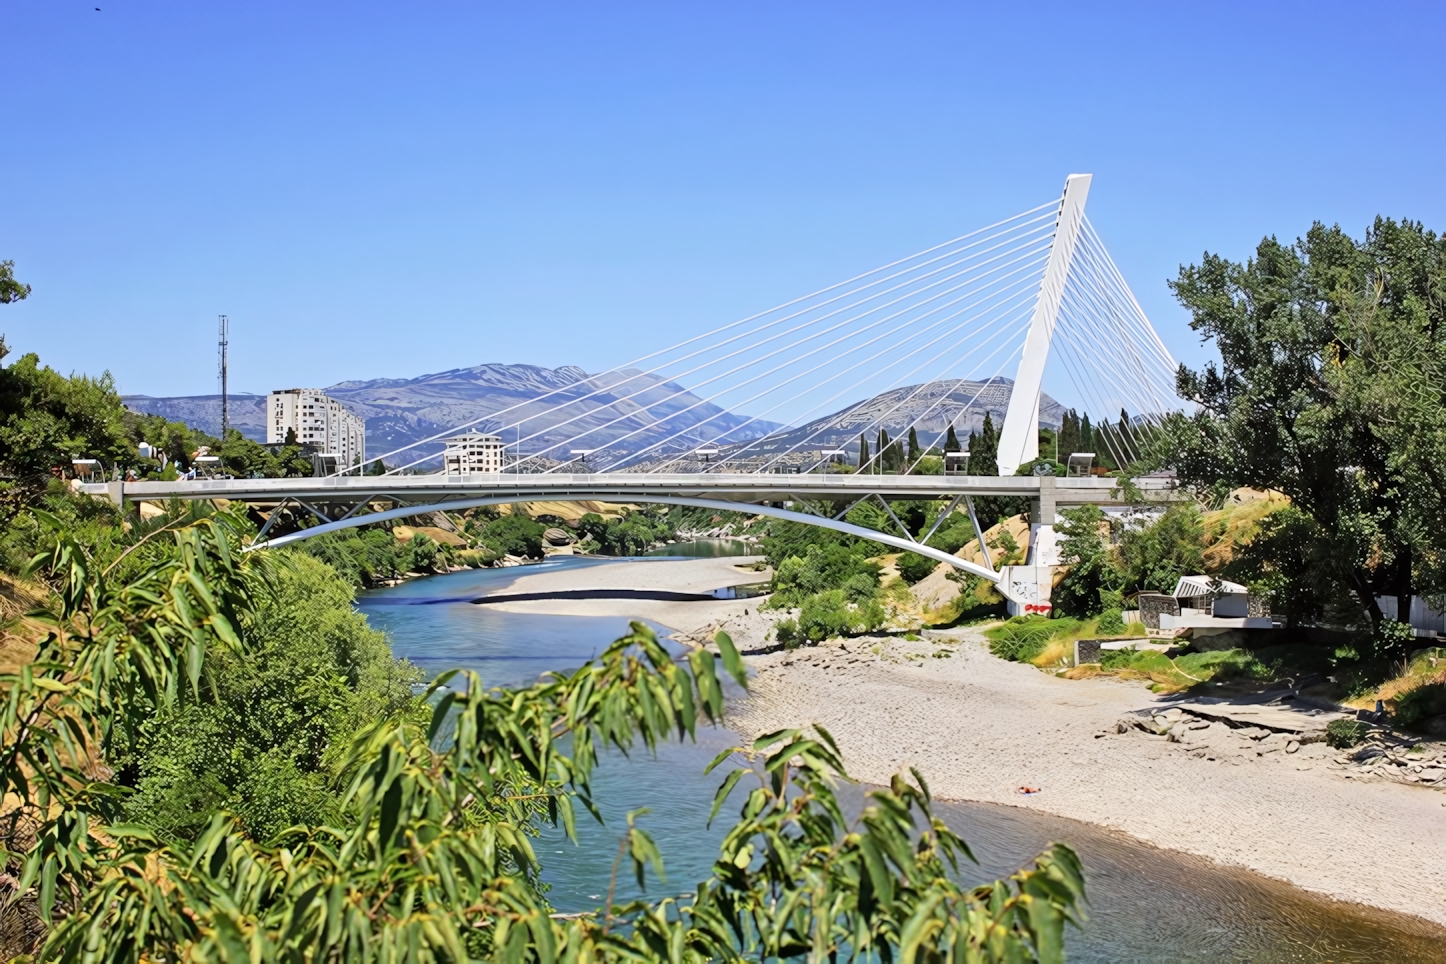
(938, 555)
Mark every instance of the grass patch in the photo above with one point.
(1344, 734)
(1287, 663)
(1166, 675)
(1024, 639)
(1057, 654)
(1414, 694)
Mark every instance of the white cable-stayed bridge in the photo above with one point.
(928, 336)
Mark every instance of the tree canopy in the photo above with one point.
(424, 854)
(1331, 389)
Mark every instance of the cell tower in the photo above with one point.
(223, 328)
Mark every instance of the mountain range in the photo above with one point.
(632, 416)
(546, 408)
(929, 407)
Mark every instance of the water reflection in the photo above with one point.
(707, 549)
(433, 627)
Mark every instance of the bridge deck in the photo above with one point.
(622, 487)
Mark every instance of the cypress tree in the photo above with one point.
(1069, 435)
(951, 441)
(863, 451)
(883, 441)
(1086, 435)
(984, 454)
(914, 452)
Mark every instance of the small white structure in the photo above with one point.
(207, 466)
(472, 453)
(1201, 606)
(1079, 464)
(319, 421)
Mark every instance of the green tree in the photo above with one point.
(951, 441)
(262, 738)
(427, 858)
(915, 453)
(1069, 435)
(1154, 556)
(863, 452)
(984, 450)
(46, 420)
(1330, 389)
(10, 289)
(1085, 549)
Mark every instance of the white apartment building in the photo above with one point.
(320, 422)
(473, 453)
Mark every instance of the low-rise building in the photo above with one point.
(1201, 606)
(320, 423)
(473, 453)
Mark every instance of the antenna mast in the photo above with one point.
(223, 328)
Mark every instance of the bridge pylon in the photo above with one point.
(1019, 439)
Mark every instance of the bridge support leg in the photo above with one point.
(979, 533)
(1032, 582)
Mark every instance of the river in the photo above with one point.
(1145, 904)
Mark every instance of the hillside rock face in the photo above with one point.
(552, 411)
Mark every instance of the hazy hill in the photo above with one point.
(623, 411)
(930, 407)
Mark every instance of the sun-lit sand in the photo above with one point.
(980, 728)
(680, 575)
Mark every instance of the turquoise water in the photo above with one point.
(1146, 905)
(707, 549)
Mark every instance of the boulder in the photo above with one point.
(557, 537)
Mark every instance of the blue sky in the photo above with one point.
(377, 190)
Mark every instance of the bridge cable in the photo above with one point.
(1053, 204)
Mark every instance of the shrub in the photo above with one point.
(786, 631)
(861, 587)
(1022, 639)
(1344, 734)
(1111, 623)
(914, 567)
(1419, 704)
(825, 615)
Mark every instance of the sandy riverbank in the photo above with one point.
(979, 728)
(696, 618)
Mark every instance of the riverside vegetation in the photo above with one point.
(1328, 403)
(206, 754)
(1325, 410)
(355, 820)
